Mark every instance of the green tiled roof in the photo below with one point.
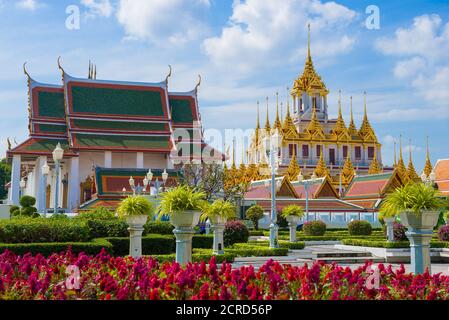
(51, 104)
(374, 177)
(125, 142)
(47, 145)
(181, 111)
(117, 101)
(51, 128)
(115, 125)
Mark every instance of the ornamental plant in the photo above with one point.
(446, 215)
(219, 208)
(235, 232)
(399, 232)
(135, 206)
(314, 228)
(180, 200)
(292, 211)
(26, 208)
(255, 213)
(414, 198)
(360, 228)
(443, 233)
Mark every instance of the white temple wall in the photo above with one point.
(124, 160)
(154, 161)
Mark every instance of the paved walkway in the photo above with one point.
(300, 257)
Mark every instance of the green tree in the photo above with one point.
(5, 177)
(255, 213)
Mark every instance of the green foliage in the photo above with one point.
(255, 213)
(390, 245)
(292, 210)
(314, 228)
(414, 197)
(14, 211)
(100, 213)
(27, 201)
(159, 227)
(360, 228)
(40, 230)
(107, 228)
(5, 177)
(282, 244)
(135, 206)
(219, 208)
(251, 250)
(151, 244)
(47, 249)
(204, 241)
(199, 255)
(181, 199)
(256, 233)
(235, 232)
(27, 209)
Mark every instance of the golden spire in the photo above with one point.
(277, 123)
(366, 131)
(347, 173)
(242, 168)
(258, 115)
(309, 55)
(428, 166)
(257, 137)
(375, 167)
(267, 122)
(289, 129)
(352, 129)
(314, 126)
(395, 156)
(402, 170)
(411, 172)
(321, 169)
(293, 170)
(340, 126)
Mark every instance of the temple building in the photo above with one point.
(313, 142)
(127, 127)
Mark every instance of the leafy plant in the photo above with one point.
(414, 197)
(399, 231)
(27, 208)
(100, 213)
(181, 199)
(219, 208)
(235, 232)
(443, 233)
(360, 228)
(314, 228)
(292, 211)
(255, 213)
(446, 215)
(135, 206)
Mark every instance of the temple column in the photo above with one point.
(108, 159)
(74, 184)
(139, 161)
(40, 185)
(15, 179)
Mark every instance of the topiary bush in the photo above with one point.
(360, 228)
(399, 232)
(158, 227)
(255, 213)
(27, 208)
(235, 232)
(443, 233)
(314, 228)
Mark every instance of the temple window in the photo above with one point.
(358, 153)
(314, 102)
(370, 153)
(305, 151)
(292, 149)
(345, 152)
(332, 156)
(318, 151)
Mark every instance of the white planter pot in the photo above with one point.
(185, 219)
(184, 223)
(292, 224)
(420, 230)
(135, 229)
(217, 220)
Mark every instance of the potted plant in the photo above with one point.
(418, 206)
(135, 210)
(218, 213)
(292, 214)
(183, 205)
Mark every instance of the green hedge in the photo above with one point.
(391, 245)
(205, 241)
(249, 250)
(159, 227)
(47, 249)
(198, 255)
(41, 230)
(107, 228)
(282, 244)
(256, 233)
(154, 244)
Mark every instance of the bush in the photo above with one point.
(399, 232)
(42, 230)
(443, 233)
(235, 232)
(151, 244)
(100, 213)
(159, 227)
(282, 222)
(27, 201)
(360, 228)
(255, 213)
(107, 228)
(314, 228)
(256, 233)
(47, 249)
(204, 241)
(27, 209)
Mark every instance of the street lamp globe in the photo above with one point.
(165, 176)
(132, 183)
(46, 169)
(150, 176)
(424, 177)
(58, 153)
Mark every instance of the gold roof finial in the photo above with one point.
(309, 55)
(277, 123)
(366, 131)
(402, 170)
(352, 129)
(199, 83)
(25, 71)
(395, 156)
(169, 74)
(258, 115)
(428, 165)
(411, 172)
(267, 122)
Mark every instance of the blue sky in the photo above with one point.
(245, 51)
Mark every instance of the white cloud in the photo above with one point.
(423, 59)
(161, 21)
(28, 4)
(102, 8)
(263, 33)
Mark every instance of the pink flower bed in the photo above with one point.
(104, 277)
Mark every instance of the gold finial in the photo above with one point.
(395, 156)
(199, 83)
(59, 65)
(258, 115)
(428, 165)
(25, 70)
(267, 123)
(9, 143)
(410, 149)
(400, 148)
(411, 172)
(365, 105)
(309, 56)
(169, 74)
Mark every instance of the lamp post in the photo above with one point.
(157, 182)
(45, 173)
(307, 184)
(58, 155)
(429, 180)
(272, 144)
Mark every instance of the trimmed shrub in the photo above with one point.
(360, 228)
(282, 244)
(27, 201)
(235, 232)
(204, 241)
(47, 249)
(314, 228)
(159, 227)
(256, 233)
(151, 245)
(399, 232)
(282, 222)
(40, 230)
(255, 213)
(26, 209)
(100, 213)
(250, 250)
(107, 228)
(443, 233)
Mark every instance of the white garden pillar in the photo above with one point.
(41, 185)
(74, 184)
(218, 229)
(15, 180)
(136, 229)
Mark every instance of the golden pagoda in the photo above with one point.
(340, 131)
(293, 170)
(352, 129)
(252, 173)
(321, 169)
(347, 173)
(400, 166)
(411, 172)
(289, 128)
(428, 166)
(277, 123)
(366, 131)
(375, 168)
